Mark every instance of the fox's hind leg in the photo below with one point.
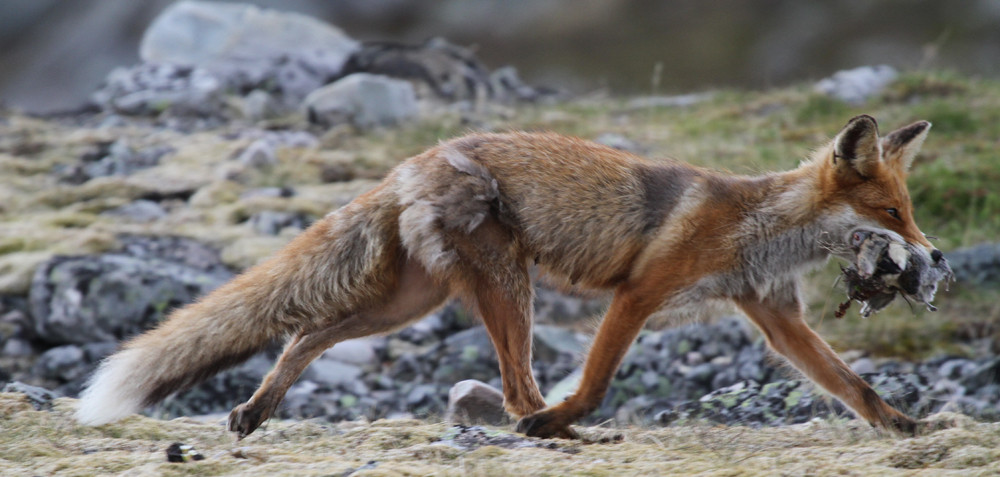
(492, 277)
(507, 318)
(415, 295)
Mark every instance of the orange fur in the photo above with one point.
(470, 216)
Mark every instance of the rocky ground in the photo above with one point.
(182, 172)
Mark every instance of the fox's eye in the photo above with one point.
(894, 213)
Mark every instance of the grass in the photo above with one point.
(50, 443)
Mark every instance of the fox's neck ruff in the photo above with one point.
(791, 230)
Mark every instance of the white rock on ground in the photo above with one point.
(857, 85)
(362, 99)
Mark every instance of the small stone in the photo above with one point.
(64, 363)
(270, 222)
(474, 402)
(620, 142)
(17, 347)
(178, 452)
(336, 173)
(357, 352)
(258, 154)
(666, 417)
(40, 398)
(694, 358)
(863, 366)
(332, 373)
(140, 211)
(551, 341)
(260, 105)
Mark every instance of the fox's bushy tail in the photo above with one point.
(331, 269)
(195, 343)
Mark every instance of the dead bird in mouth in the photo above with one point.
(884, 268)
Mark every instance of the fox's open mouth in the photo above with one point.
(884, 267)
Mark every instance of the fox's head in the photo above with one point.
(868, 173)
(863, 176)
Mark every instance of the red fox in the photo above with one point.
(472, 216)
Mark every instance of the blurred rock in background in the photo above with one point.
(56, 53)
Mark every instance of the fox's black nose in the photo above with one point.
(936, 255)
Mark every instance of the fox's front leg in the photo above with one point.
(622, 323)
(788, 334)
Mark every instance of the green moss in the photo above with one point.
(793, 398)
(820, 107)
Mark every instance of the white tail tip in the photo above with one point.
(114, 392)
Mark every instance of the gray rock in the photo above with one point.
(268, 192)
(359, 352)
(475, 402)
(270, 222)
(363, 100)
(40, 398)
(467, 354)
(116, 158)
(863, 366)
(61, 363)
(422, 395)
(978, 265)
(260, 104)
(554, 307)
(105, 298)
(331, 373)
(17, 347)
(855, 86)
(280, 139)
(551, 341)
(259, 154)
(956, 368)
(249, 46)
(620, 142)
(152, 89)
(141, 211)
(985, 374)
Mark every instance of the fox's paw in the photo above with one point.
(246, 418)
(900, 424)
(546, 424)
(904, 425)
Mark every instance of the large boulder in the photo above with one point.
(296, 52)
(108, 297)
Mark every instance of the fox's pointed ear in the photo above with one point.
(856, 149)
(903, 144)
